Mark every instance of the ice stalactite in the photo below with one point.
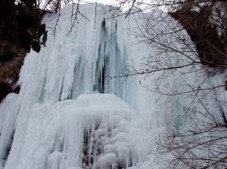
(111, 64)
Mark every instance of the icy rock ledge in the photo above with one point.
(93, 132)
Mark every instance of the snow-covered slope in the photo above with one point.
(51, 124)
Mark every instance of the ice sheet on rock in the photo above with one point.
(7, 126)
(88, 59)
(54, 160)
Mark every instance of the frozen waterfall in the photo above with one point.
(76, 109)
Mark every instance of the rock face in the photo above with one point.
(20, 31)
(209, 46)
(4, 90)
(12, 59)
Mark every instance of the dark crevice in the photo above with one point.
(5, 89)
(61, 90)
(8, 148)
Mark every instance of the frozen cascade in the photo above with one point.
(60, 119)
(50, 125)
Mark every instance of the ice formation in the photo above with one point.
(56, 122)
(75, 109)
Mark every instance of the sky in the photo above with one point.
(106, 2)
(142, 3)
